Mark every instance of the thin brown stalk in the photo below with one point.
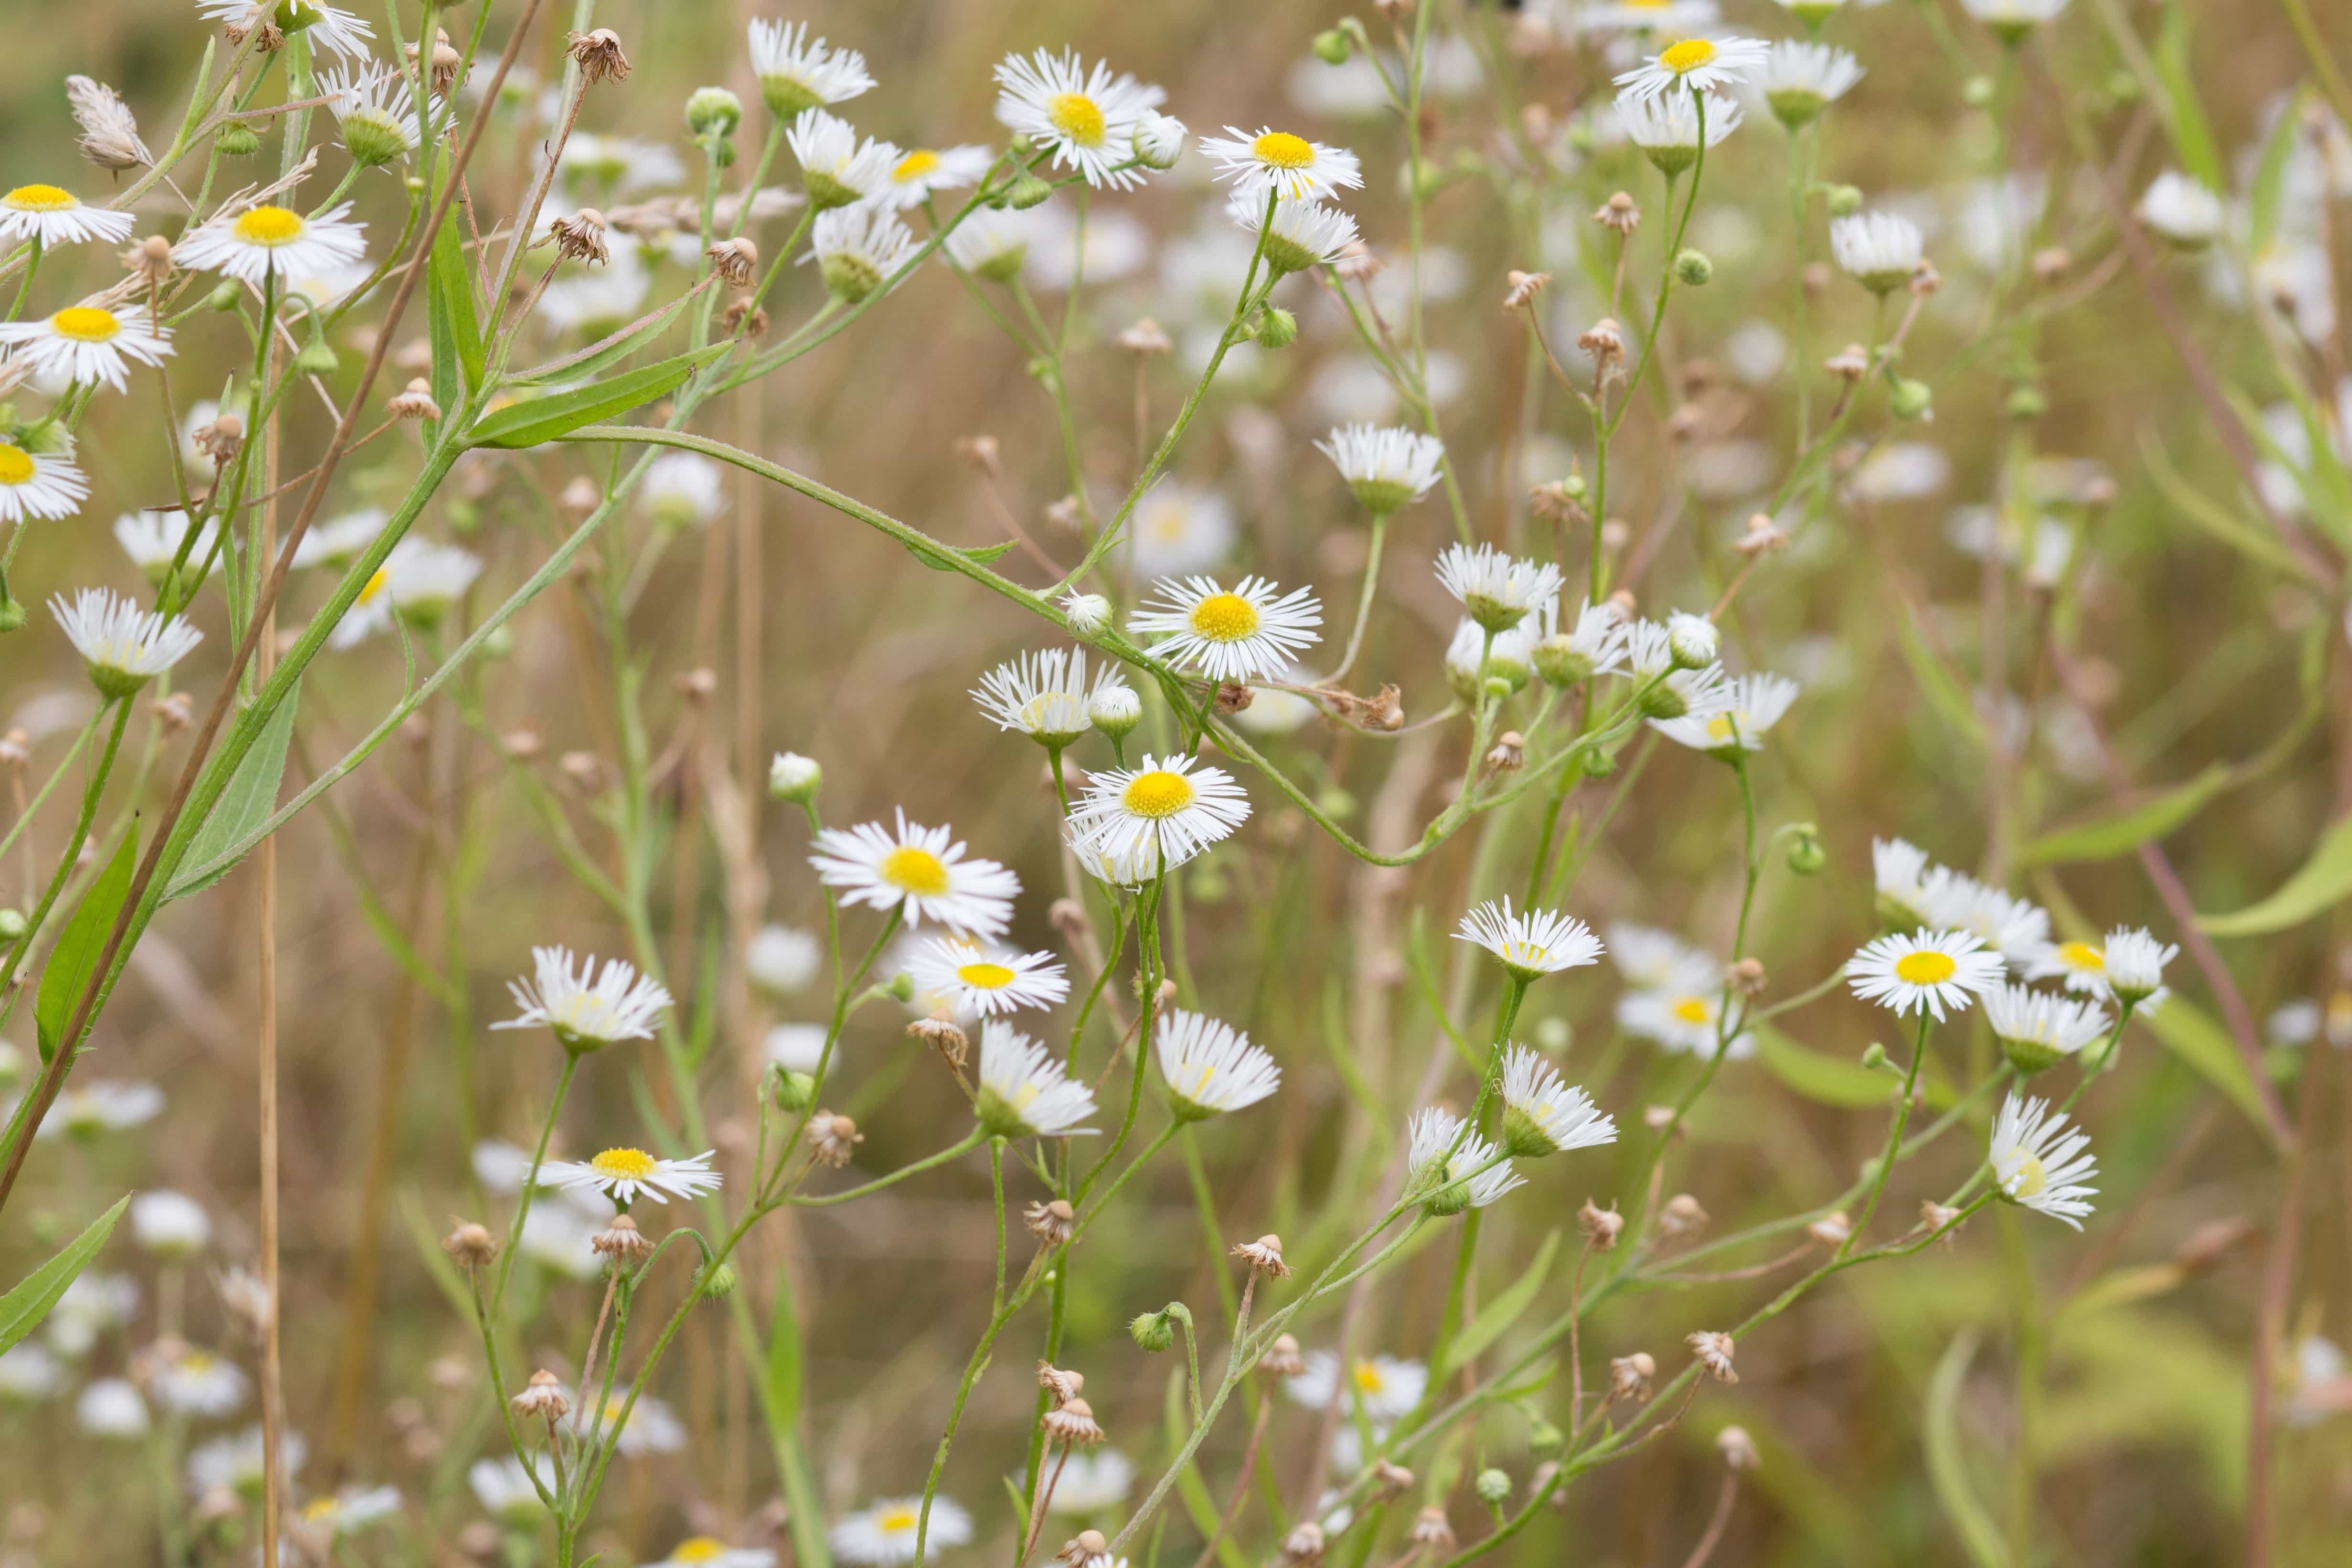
(1724, 1497)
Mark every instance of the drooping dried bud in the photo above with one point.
(2209, 1243)
(1233, 696)
(581, 236)
(1263, 1256)
(942, 1036)
(1925, 278)
(735, 260)
(1357, 261)
(1508, 752)
(1747, 978)
(1391, 1478)
(1681, 1216)
(584, 770)
(832, 1139)
(598, 55)
(1629, 1375)
(621, 1241)
(1062, 1383)
(699, 686)
(471, 1244)
(1601, 1227)
(221, 440)
(413, 402)
(1762, 536)
(542, 1399)
(2050, 264)
(1066, 514)
(150, 260)
(110, 131)
(1604, 340)
(1282, 1358)
(1619, 212)
(1081, 1548)
(980, 454)
(1053, 1221)
(1935, 1217)
(1072, 1423)
(745, 318)
(1557, 503)
(1850, 363)
(1144, 338)
(174, 711)
(1305, 1542)
(1714, 1352)
(1737, 1448)
(1432, 1529)
(1520, 288)
(1830, 1229)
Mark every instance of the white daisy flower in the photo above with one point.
(238, 1464)
(1303, 235)
(991, 244)
(1684, 1014)
(1025, 1091)
(883, 1534)
(2038, 1162)
(1543, 1115)
(89, 343)
(857, 249)
(1159, 140)
(651, 1428)
(1108, 247)
(1752, 704)
(198, 1383)
(152, 541)
(1675, 18)
(2078, 965)
(1650, 957)
(36, 485)
(56, 216)
(249, 245)
(1498, 590)
(2181, 211)
(1088, 117)
(340, 541)
(1387, 466)
(96, 1302)
(837, 167)
(596, 300)
(561, 1239)
(1230, 634)
(2012, 19)
(1091, 1483)
(29, 1374)
(781, 959)
(102, 1105)
(1165, 808)
(1448, 1178)
(1666, 126)
(121, 645)
(1878, 250)
(795, 1047)
(1799, 79)
(375, 111)
(1699, 64)
(1388, 1387)
(111, 1407)
(1129, 869)
(170, 1225)
(682, 490)
(1044, 696)
(626, 1175)
(709, 1551)
(1476, 655)
(588, 1010)
(1924, 971)
(1281, 164)
(350, 1509)
(1596, 646)
(919, 872)
(2134, 962)
(976, 981)
(797, 72)
(328, 27)
(1210, 1067)
(1531, 943)
(418, 583)
(503, 1487)
(1900, 869)
(2038, 1030)
(916, 174)
(2015, 927)
(501, 1168)
(1177, 528)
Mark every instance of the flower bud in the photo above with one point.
(790, 1090)
(1115, 711)
(1692, 640)
(1276, 328)
(236, 140)
(1494, 1487)
(12, 926)
(718, 1281)
(1026, 192)
(713, 111)
(794, 777)
(1089, 614)
(1333, 46)
(1843, 201)
(1159, 140)
(2027, 402)
(1976, 91)
(1693, 268)
(1155, 1331)
(1910, 399)
(1806, 856)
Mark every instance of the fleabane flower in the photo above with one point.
(198, 1383)
(798, 72)
(417, 584)
(1498, 590)
(1542, 1114)
(2038, 1030)
(1387, 1387)
(1087, 116)
(251, 245)
(1650, 957)
(1751, 704)
(1799, 79)
(2181, 211)
(1449, 1171)
(54, 216)
(89, 343)
(1594, 645)
(2077, 965)
(1666, 125)
(330, 28)
(1530, 944)
(1878, 250)
(375, 111)
(587, 1008)
(1210, 1067)
(882, 1535)
(1230, 634)
(1044, 696)
(1159, 140)
(918, 872)
(1697, 64)
(991, 244)
(916, 174)
(837, 168)
(1686, 1015)
(709, 1551)
(39, 485)
(1179, 527)
(2012, 21)
(857, 249)
(1476, 655)
(1924, 971)
(1162, 812)
(2016, 928)
(123, 646)
(1025, 1091)
(1279, 164)
(683, 490)
(626, 1175)
(1303, 234)
(1899, 870)
(980, 980)
(1387, 466)
(2041, 1165)
(2135, 965)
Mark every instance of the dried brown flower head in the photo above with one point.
(471, 1244)
(1263, 1256)
(735, 260)
(1714, 1352)
(832, 1139)
(598, 55)
(581, 236)
(1053, 1222)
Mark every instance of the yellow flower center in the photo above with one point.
(376, 585)
(699, 1548)
(895, 1520)
(15, 464)
(41, 199)
(85, 324)
(1369, 1379)
(916, 164)
(1156, 794)
(914, 871)
(1225, 618)
(2030, 1177)
(1687, 56)
(1283, 150)
(268, 227)
(1925, 967)
(1691, 1010)
(197, 1361)
(2081, 956)
(987, 976)
(321, 1508)
(623, 1165)
(1720, 728)
(1077, 117)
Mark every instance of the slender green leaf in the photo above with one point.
(530, 421)
(2114, 834)
(1830, 1080)
(243, 807)
(2193, 134)
(22, 1308)
(2270, 173)
(600, 357)
(456, 327)
(2206, 1047)
(1502, 1312)
(75, 958)
(2249, 538)
(1947, 1466)
(2319, 885)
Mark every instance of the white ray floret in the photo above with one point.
(102, 1105)
(1164, 810)
(1752, 704)
(2038, 1030)
(1595, 646)
(1449, 1170)
(249, 245)
(1900, 869)
(418, 582)
(683, 489)
(89, 343)
(1686, 1014)
(797, 71)
(198, 1383)
(39, 485)
(152, 541)
(587, 1007)
(55, 216)
(1880, 251)
(1668, 126)
(1087, 116)
(1210, 1067)
(991, 244)
(2135, 965)
(882, 1535)
(1303, 234)
(376, 111)
(2016, 928)
(1801, 79)
(1230, 634)
(1532, 943)
(1024, 1091)
(2037, 1162)
(1179, 527)
(2078, 965)
(1044, 696)
(626, 1175)
(709, 1551)
(1650, 957)
(1496, 589)
(330, 28)
(2181, 210)
(1388, 1387)
(857, 249)
(1282, 164)
(123, 646)
(921, 872)
(1544, 1115)
(982, 982)
(925, 170)
(1695, 64)
(837, 167)
(1475, 654)
(1388, 467)
(1924, 971)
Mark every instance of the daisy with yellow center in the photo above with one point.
(626, 1175)
(1086, 118)
(649, 1426)
(1389, 1386)
(838, 168)
(250, 245)
(797, 71)
(1160, 814)
(328, 27)
(2078, 965)
(1044, 696)
(1542, 1114)
(1532, 943)
(586, 1008)
(1449, 1170)
(52, 215)
(1695, 64)
(89, 343)
(123, 646)
(2038, 1030)
(1230, 634)
(709, 1551)
(1683, 1012)
(418, 583)
(198, 1383)
(884, 1533)
(1024, 1091)
(1924, 971)
(919, 872)
(1282, 164)
(39, 485)
(1754, 704)
(2038, 1164)
(1210, 1067)
(916, 176)
(975, 980)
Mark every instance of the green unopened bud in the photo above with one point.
(716, 1281)
(1544, 1439)
(1806, 856)
(1560, 662)
(1493, 1487)
(722, 152)
(1333, 46)
(1026, 192)
(1843, 201)
(713, 111)
(1693, 268)
(1425, 179)
(11, 616)
(1910, 400)
(1599, 763)
(1554, 1035)
(1496, 688)
(499, 641)
(317, 358)
(794, 777)
(1155, 1331)
(12, 926)
(236, 140)
(1336, 803)
(1874, 1056)
(2123, 86)
(901, 988)
(2027, 402)
(374, 138)
(791, 1091)
(224, 298)
(1574, 487)
(1276, 328)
